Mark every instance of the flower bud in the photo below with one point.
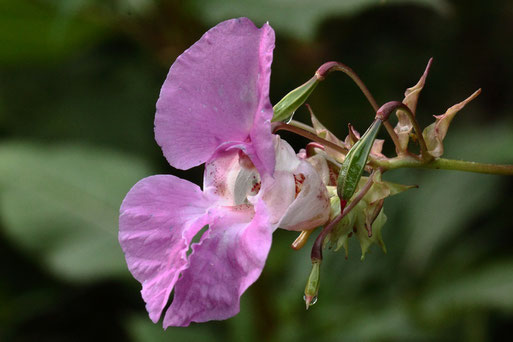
(313, 283)
(284, 110)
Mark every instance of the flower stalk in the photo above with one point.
(280, 126)
(329, 67)
(444, 164)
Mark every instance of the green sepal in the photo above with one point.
(367, 215)
(285, 109)
(354, 163)
(339, 236)
(434, 134)
(361, 230)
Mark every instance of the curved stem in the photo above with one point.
(384, 112)
(328, 67)
(280, 126)
(317, 246)
(444, 164)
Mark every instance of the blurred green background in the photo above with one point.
(78, 84)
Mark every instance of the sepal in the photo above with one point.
(435, 133)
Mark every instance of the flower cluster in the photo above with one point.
(214, 109)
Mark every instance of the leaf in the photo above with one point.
(61, 204)
(490, 286)
(411, 97)
(434, 134)
(298, 18)
(32, 31)
(449, 201)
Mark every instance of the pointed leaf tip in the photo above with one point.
(435, 133)
(411, 97)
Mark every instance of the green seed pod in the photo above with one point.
(313, 283)
(354, 163)
(284, 110)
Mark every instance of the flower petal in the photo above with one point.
(158, 219)
(279, 190)
(229, 258)
(216, 92)
(311, 208)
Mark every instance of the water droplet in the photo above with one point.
(314, 300)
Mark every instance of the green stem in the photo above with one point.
(444, 164)
(280, 126)
(302, 126)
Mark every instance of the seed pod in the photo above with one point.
(354, 163)
(313, 283)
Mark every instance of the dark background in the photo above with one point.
(78, 84)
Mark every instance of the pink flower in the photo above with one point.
(214, 107)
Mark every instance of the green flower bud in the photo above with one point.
(284, 110)
(313, 284)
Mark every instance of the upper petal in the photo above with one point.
(218, 91)
(158, 219)
(223, 265)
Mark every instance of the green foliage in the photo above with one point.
(32, 31)
(298, 18)
(142, 330)
(489, 286)
(61, 205)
